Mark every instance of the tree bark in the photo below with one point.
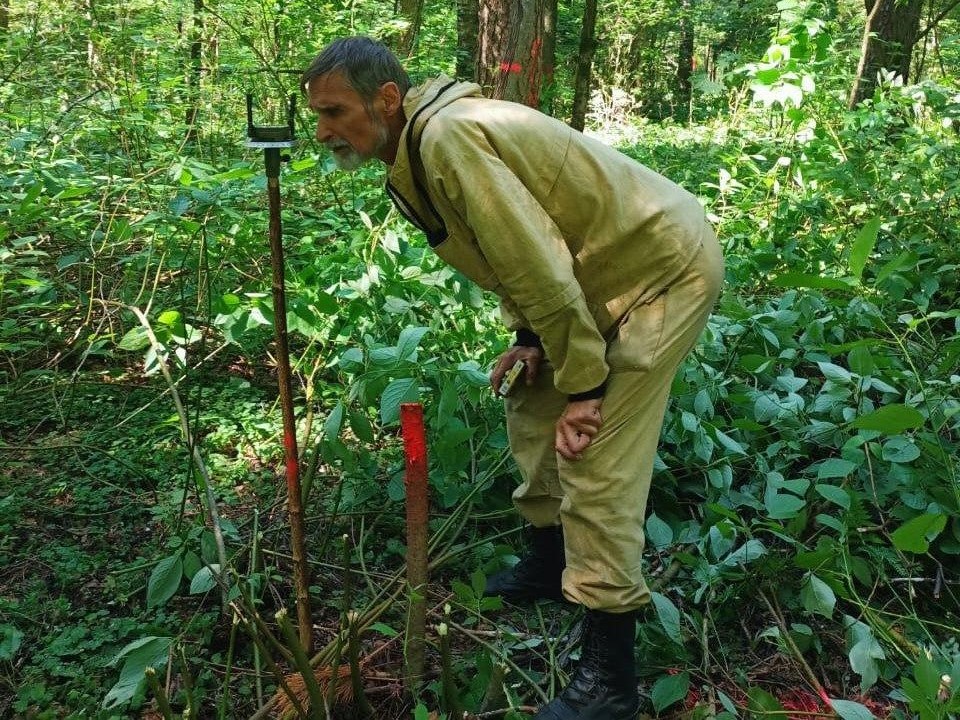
(194, 71)
(684, 91)
(549, 60)
(468, 29)
(4, 15)
(510, 49)
(588, 46)
(412, 12)
(889, 36)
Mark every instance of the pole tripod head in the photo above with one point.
(272, 138)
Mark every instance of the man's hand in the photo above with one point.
(530, 355)
(577, 427)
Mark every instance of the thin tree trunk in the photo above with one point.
(412, 12)
(683, 110)
(468, 29)
(510, 49)
(4, 15)
(889, 36)
(549, 60)
(581, 85)
(195, 70)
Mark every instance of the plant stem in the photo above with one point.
(302, 664)
(163, 704)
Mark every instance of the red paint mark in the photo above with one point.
(290, 454)
(514, 67)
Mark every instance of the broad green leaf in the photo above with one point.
(669, 616)
(900, 450)
(783, 506)
(472, 374)
(864, 652)
(863, 246)
(746, 553)
(205, 580)
(817, 596)
(891, 419)
(137, 656)
(334, 421)
(360, 424)
(10, 640)
(409, 341)
(915, 535)
(804, 280)
(396, 393)
(861, 361)
(835, 373)
(927, 676)
(728, 442)
(835, 468)
(164, 580)
(191, 564)
(658, 532)
(834, 494)
(135, 339)
(669, 689)
(384, 629)
(760, 703)
(850, 710)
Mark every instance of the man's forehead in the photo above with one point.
(330, 88)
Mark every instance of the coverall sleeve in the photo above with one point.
(523, 246)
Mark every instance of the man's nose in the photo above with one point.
(323, 133)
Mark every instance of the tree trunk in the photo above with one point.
(888, 39)
(588, 46)
(684, 90)
(195, 70)
(510, 49)
(4, 15)
(468, 28)
(412, 12)
(549, 60)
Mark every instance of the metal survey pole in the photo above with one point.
(273, 139)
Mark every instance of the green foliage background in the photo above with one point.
(807, 497)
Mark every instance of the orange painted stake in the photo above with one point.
(415, 483)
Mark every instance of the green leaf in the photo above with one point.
(817, 596)
(783, 506)
(863, 246)
(835, 373)
(334, 421)
(669, 689)
(763, 704)
(164, 580)
(746, 553)
(803, 280)
(728, 442)
(861, 361)
(360, 424)
(205, 579)
(891, 419)
(915, 535)
(134, 339)
(864, 652)
(472, 374)
(138, 656)
(835, 468)
(658, 532)
(397, 392)
(900, 450)
(834, 494)
(10, 640)
(669, 616)
(384, 629)
(850, 710)
(409, 341)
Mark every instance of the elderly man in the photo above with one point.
(607, 273)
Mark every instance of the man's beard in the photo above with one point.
(347, 158)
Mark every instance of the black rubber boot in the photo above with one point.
(604, 686)
(537, 575)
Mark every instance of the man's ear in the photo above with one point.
(391, 98)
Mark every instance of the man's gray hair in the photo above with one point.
(365, 63)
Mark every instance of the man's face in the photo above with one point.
(353, 131)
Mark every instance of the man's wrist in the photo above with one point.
(528, 338)
(594, 394)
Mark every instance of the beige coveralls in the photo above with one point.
(611, 265)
